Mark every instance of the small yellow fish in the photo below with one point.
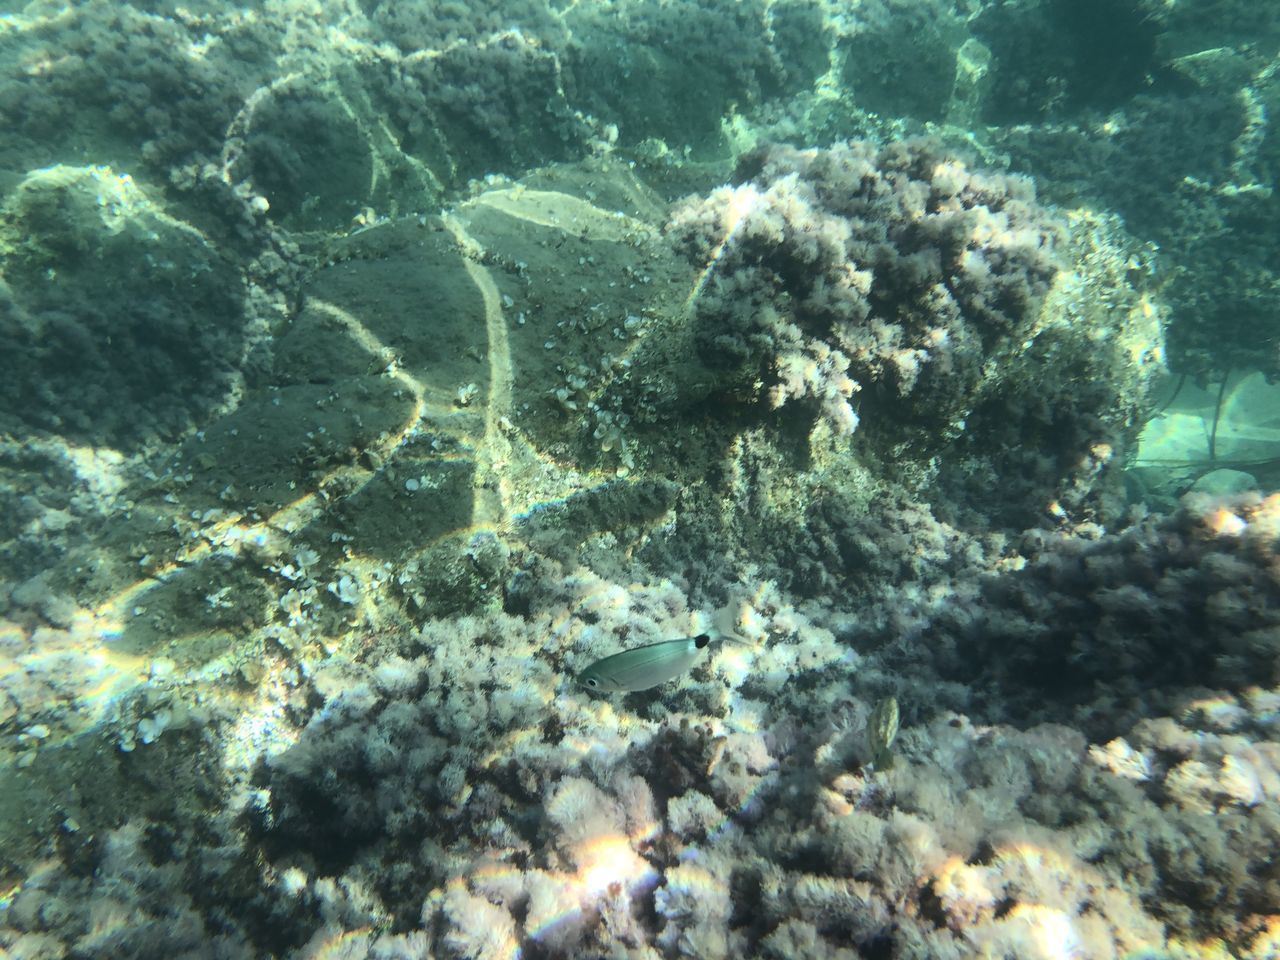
(882, 730)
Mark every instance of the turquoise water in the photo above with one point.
(369, 371)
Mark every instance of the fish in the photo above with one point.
(643, 667)
(882, 730)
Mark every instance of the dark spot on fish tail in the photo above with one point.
(701, 640)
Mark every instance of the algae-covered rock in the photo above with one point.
(119, 321)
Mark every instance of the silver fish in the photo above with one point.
(643, 667)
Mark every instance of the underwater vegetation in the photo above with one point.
(639, 480)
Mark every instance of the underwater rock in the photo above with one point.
(121, 323)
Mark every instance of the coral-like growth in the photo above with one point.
(124, 899)
(896, 268)
(1139, 617)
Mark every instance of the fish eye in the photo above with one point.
(591, 681)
